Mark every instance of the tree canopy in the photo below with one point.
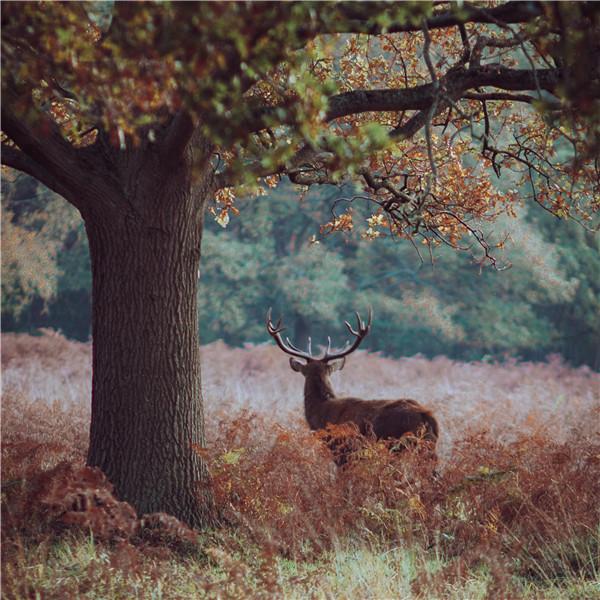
(396, 96)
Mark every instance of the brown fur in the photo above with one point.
(383, 419)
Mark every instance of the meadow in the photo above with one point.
(513, 511)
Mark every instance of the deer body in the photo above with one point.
(383, 419)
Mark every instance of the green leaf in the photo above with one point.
(233, 456)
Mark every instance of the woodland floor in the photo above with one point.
(514, 512)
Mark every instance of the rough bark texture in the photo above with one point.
(146, 400)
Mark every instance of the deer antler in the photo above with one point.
(288, 348)
(360, 335)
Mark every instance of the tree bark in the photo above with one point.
(147, 411)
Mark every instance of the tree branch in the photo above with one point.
(357, 17)
(434, 104)
(44, 149)
(16, 159)
(499, 96)
(456, 82)
(179, 133)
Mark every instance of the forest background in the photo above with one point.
(544, 300)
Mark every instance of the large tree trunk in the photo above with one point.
(147, 408)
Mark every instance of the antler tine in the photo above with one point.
(328, 350)
(270, 325)
(363, 331)
(327, 355)
(275, 333)
(310, 345)
(350, 328)
(359, 321)
(292, 346)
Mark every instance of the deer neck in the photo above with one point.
(317, 390)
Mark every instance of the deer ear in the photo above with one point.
(296, 365)
(337, 365)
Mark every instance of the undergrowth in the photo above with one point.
(511, 510)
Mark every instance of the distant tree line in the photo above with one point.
(277, 255)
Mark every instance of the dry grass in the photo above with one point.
(503, 398)
(512, 513)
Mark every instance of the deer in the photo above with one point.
(404, 420)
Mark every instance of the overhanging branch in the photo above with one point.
(16, 159)
(44, 149)
(499, 96)
(451, 87)
(456, 82)
(357, 17)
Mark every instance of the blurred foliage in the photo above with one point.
(46, 278)
(275, 255)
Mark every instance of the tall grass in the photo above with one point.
(511, 512)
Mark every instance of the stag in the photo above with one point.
(403, 419)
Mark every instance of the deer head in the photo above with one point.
(330, 361)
